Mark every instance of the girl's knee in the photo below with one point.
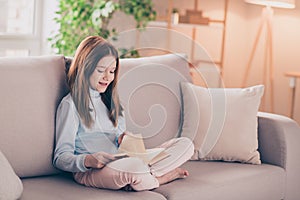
(187, 146)
(187, 142)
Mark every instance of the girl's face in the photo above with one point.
(103, 74)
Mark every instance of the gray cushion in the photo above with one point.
(31, 89)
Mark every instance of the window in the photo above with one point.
(20, 27)
(17, 17)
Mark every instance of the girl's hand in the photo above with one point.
(120, 138)
(98, 160)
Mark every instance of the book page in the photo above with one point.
(133, 146)
(162, 155)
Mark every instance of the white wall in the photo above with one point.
(243, 22)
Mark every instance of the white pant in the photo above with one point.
(134, 172)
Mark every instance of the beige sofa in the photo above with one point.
(31, 89)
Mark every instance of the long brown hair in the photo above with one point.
(89, 52)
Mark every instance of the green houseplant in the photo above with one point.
(80, 18)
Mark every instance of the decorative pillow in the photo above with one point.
(11, 186)
(222, 122)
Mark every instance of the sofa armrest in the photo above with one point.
(279, 144)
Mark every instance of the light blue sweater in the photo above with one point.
(74, 140)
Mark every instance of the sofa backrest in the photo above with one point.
(30, 90)
(150, 94)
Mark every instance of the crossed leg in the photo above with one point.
(132, 173)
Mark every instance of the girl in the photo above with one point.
(90, 126)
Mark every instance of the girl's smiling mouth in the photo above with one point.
(102, 83)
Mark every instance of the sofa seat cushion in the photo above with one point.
(212, 180)
(63, 186)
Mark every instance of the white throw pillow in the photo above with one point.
(222, 122)
(11, 186)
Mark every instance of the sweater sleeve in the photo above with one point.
(121, 128)
(67, 123)
(121, 125)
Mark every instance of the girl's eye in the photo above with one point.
(112, 72)
(100, 71)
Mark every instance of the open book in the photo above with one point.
(133, 146)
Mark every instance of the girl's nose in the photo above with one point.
(107, 76)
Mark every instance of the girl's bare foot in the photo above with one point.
(173, 175)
